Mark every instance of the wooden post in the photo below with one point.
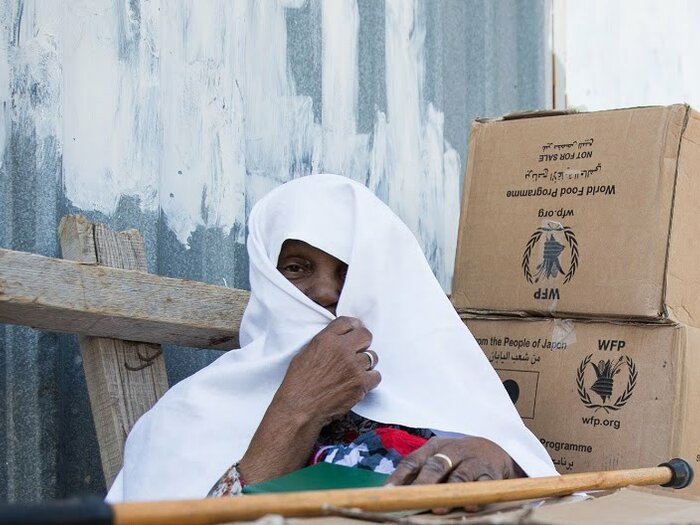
(124, 378)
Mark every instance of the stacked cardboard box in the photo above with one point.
(577, 272)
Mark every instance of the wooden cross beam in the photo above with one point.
(66, 296)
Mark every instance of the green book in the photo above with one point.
(321, 476)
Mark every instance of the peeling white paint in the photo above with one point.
(447, 231)
(203, 166)
(191, 108)
(282, 140)
(32, 68)
(420, 186)
(29, 96)
(7, 13)
(112, 142)
(344, 151)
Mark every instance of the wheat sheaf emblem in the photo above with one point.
(550, 267)
(605, 372)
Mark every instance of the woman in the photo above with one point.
(306, 361)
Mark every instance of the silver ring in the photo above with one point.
(371, 359)
(446, 459)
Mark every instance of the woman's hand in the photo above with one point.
(331, 374)
(323, 382)
(455, 459)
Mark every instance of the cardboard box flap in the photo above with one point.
(534, 113)
(682, 285)
(528, 114)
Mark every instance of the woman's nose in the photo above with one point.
(325, 290)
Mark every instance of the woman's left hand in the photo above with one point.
(455, 459)
(452, 460)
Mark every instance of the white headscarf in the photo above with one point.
(434, 373)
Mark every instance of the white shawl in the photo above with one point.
(434, 373)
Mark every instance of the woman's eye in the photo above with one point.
(294, 269)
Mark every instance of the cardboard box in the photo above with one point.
(628, 506)
(601, 395)
(580, 215)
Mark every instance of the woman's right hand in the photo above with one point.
(323, 382)
(330, 375)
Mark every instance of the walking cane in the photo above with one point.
(676, 473)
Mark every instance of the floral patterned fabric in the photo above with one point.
(379, 450)
(351, 441)
(230, 484)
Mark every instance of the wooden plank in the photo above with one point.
(124, 378)
(66, 296)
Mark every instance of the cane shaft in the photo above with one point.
(387, 499)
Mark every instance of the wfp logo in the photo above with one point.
(602, 382)
(549, 265)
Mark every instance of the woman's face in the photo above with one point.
(319, 275)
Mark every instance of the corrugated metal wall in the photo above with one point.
(174, 117)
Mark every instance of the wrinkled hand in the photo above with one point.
(473, 459)
(330, 375)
